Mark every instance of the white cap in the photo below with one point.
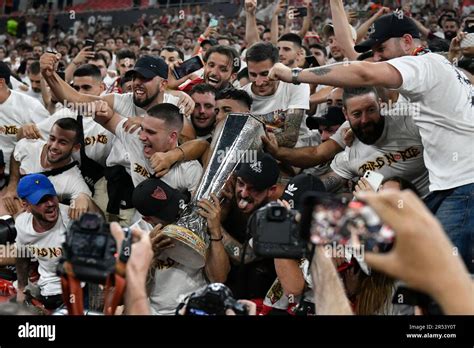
(328, 30)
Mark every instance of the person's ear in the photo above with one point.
(344, 111)
(76, 147)
(272, 190)
(102, 87)
(233, 76)
(163, 85)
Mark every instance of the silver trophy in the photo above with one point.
(239, 140)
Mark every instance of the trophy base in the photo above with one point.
(189, 249)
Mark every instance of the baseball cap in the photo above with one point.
(33, 187)
(150, 67)
(153, 197)
(5, 72)
(328, 30)
(262, 173)
(298, 186)
(387, 27)
(333, 116)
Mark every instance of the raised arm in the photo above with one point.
(251, 31)
(280, 7)
(346, 74)
(302, 157)
(364, 27)
(307, 20)
(61, 88)
(342, 30)
(290, 276)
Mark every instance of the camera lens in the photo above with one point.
(7, 230)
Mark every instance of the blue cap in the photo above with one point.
(34, 187)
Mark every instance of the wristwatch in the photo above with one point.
(294, 74)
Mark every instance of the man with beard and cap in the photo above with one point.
(41, 232)
(445, 118)
(252, 186)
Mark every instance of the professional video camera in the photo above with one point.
(214, 299)
(7, 230)
(89, 249)
(325, 219)
(276, 233)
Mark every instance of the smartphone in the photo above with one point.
(327, 219)
(187, 67)
(213, 22)
(301, 12)
(311, 61)
(374, 179)
(90, 43)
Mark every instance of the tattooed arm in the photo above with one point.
(333, 182)
(289, 136)
(346, 74)
(235, 249)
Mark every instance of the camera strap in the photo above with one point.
(112, 299)
(72, 293)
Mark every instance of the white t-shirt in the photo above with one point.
(46, 247)
(446, 118)
(272, 109)
(182, 176)
(97, 139)
(124, 106)
(172, 282)
(398, 152)
(16, 111)
(68, 185)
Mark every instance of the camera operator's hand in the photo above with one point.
(159, 241)
(422, 255)
(211, 210)
(249, 305)
(136, 300)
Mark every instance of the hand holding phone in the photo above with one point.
(90, 43)
(187, 67)
(374, 179)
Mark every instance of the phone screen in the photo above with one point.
(90, 43)
(311, 61)
(332, 220)
(213, 22)
(189, 66)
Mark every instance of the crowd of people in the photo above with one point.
(96, 119)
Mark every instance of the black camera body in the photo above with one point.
(276, 233)
(90, 249)
(214, 299)
(7, 230)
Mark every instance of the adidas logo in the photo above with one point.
(256, 166)
(290, 189)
